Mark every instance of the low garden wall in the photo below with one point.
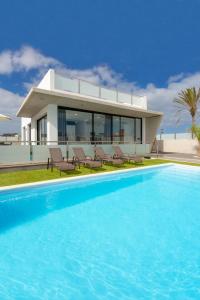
(187, 146)
(40, 153)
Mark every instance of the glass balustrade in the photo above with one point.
(83, 87)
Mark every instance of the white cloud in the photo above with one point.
(24, 59)
(175, 78)
(9, 104)
(161, 99)
(28, 58)
(102, 75)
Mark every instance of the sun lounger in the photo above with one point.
(56, 160)
(81, 158)
(127, 157)
(101, 155)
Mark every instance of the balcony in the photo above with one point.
(54, 81)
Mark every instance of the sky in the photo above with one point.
(149, 47)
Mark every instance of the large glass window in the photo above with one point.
(42, 130)
(62, 125)
(116, 132)
(102, 127)
(74, 125)
(78, 125)
(127, 129)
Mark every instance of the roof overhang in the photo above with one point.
(4, 118)
(37, 99)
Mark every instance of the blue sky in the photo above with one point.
(151, 47)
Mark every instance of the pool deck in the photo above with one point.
(181, 157)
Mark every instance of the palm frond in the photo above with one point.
(188, 100)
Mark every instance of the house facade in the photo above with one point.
(62, 109)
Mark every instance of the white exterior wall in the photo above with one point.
(188, 146)
(151, 126)
(33, 130)
(48, 81)
(52, 123)
(25, 129)
(41, 114)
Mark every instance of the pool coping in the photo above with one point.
(74, 178)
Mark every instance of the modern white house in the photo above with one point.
(63, 109)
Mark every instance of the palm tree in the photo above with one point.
(189, 100)
(196, 131)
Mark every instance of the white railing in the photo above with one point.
(84, 87)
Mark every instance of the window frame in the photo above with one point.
(112, 115)
(39, 141)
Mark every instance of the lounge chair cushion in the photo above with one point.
(64, 166)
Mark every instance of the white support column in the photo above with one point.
(33, 130)
(52, 124)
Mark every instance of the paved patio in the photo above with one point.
(178, 157)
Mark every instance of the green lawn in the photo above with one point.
(20, 177)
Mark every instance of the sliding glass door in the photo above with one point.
(102, 127)
(42, 130)
(85, 126)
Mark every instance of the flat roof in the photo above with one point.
(39, 98)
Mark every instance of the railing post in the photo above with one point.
(157, 150)
(131, 98)
(99, 92)
(79, 86)
(117, 98)
(31, 151)
(67, 150)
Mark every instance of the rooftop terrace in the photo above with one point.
(54, 81)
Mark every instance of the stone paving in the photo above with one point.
(178, 156)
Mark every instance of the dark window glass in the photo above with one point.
(138, 131)
(42, 130)
(127, 129)
(61, 125)
(102, 127)
(116, 129)
(87, 126)
(74, 125)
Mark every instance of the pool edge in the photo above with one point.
(74, 178)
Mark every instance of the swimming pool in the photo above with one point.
(130, 235)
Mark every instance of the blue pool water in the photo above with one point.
(133, 235)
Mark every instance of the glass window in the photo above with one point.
(61, 125)
(78, 125)
(127, 129)
(138, 131)
(116, 129)
(42, 130)
(102, 127)
(74, 125)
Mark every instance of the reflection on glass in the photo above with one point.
(116, 129)
(42, 130)
(127, 129)
(102, 127)
(78, 125)
(61, 125)
(88, 126)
